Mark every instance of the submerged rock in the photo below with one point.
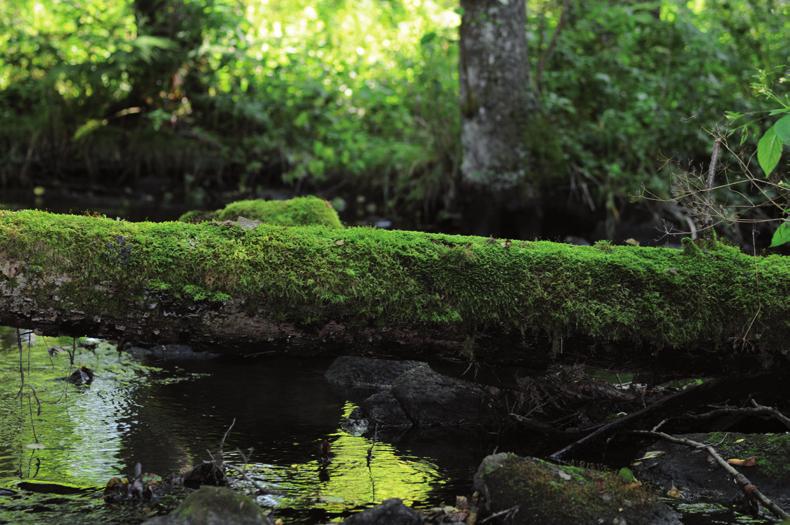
(383, 411)
(214, 506)
(692, 477)
(528, 490)
(431, 399)
(410, 393)
(207, 473)
(81, 376)
(391, 512)
(367, 374)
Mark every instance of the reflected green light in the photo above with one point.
(349, 481)
(75, 438)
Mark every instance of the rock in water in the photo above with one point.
(431, 399)
(366, 373)
(391, 512)
(529, 490)
(214, 506)
(207, 473)
(384, 412)
(82, 376)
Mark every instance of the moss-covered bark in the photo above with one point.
(299, 211)
(360, 287)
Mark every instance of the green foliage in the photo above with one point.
(633, 83)
(781, 235)
(252, 93)
(769, 150)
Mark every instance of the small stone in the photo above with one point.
(391, 512)
(214, 506)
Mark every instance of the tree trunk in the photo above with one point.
(313, 289)
(495, 108)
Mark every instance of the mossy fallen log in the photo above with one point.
(299, 211)
(360, 289)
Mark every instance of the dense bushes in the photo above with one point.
(361, 97)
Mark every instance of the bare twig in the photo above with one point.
(749, 490)
(757, 410)
(21, 367)
(508, 513)
(773, 411)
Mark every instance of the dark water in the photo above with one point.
(167, 415)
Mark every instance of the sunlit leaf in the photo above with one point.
(627, 475)
(748, 462)
(782, 129)
(89, 127)
(769, 150)
(781, 235)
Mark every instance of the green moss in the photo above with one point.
(299, 211)
(772, 451)
(312, 274)
(210, 505)
(549, 493)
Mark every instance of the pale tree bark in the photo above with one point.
(495, 106)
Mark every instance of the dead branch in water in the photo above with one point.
(750, 491)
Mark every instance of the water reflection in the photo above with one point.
(166, 416)
(359, 473)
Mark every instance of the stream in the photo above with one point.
(60, 443)
(166, 415)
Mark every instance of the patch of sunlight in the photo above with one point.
(360, 473)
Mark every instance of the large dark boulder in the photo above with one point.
(384, 412)
(391, 512)
(365, 374)
(430, 399)
(214, 506)
(528, 490)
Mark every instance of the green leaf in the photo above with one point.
(89, 127)
(781, 235)
(769, 150)
(782, 129)
(158, 42)
(626, 475)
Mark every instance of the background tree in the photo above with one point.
(495, 109)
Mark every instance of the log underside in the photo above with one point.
(311, 290)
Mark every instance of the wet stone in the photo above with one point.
(391, 512)
(82, 376)
(524, 490)
(207, 473)
(384, 411)
(214, 506)
(367, 374)
(431, 399)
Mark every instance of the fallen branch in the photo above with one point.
(774, 412)
(533, 425)
(679, 403)
(756, 410)
(750, 491)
